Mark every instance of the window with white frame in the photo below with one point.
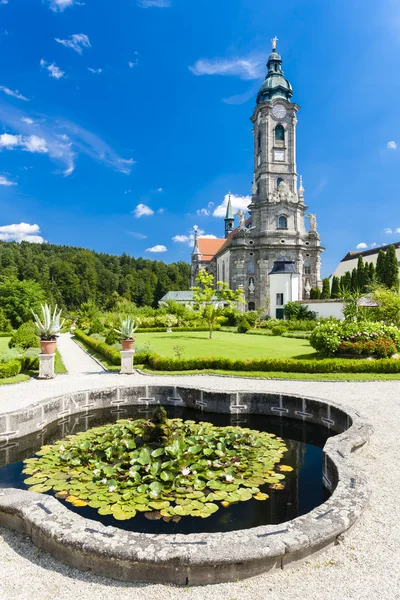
(279, 300)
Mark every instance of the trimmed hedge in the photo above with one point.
(184, 329)
(7, 333)
(101, 347)
(290, 365)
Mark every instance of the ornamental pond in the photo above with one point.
(300, 488)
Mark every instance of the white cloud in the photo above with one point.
(95, 70)
(238, 203)
(154, 3)
(189, 239)
(160, 190)
(251, 67)
(143, 211)
(63, 139)
(30, 143)
(240, 98)
(127, 191)
(161, 211)
(392, 145)
(203, 212)
(27, 120)
(3, 1)
(61, 5)
(373, 245)
(362, 246)
(53, 70)
(388, 230)
(138, 236)
(5, 181)
(13, 93)
(9, 141)
(22, 232)
(77, 42)
(158, 248)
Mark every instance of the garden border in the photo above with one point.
(193, 559)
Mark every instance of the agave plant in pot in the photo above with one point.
(126, 331)
(48, 326)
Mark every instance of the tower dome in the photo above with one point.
(275, 84)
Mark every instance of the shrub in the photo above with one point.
(381, 347)
(112, 337)
(25, 337)
(98, 337)
(232, 316)
(11, 368)
(96, 327)
(5, 324)
(278, 329)
(298, 335)
(327, 337)
(243, 326)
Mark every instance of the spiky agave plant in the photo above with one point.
(127, 328)
(49, 324)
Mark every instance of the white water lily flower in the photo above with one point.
(62, 448)
(194, 472)
(104, 481)
(209, 463)
(185, 471)
(112, 488)
(229, 478)
(96, 471)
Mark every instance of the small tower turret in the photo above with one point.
(229, 218)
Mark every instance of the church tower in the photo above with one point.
(277, 207)
(229, 218)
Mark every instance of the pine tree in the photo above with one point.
(372, 273)
(391, 269)
(335, 290)
(380, 267)
(360, 274)
(347, 282)
(326, 288)
(354, 283)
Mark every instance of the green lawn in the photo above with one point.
(229, 345)
(59, 366)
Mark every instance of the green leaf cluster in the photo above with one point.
(192, 470)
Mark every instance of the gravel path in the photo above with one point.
(364, 566)
(75, 359)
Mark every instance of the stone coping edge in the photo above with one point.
(204, 558)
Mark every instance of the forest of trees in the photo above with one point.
(70, 276)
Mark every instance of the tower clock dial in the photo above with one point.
(279, 111)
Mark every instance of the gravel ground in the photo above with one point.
(363, 566)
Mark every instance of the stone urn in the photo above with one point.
(127, 344)
(48, 346)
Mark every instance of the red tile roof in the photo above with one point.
(209, 247)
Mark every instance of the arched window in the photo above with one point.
(223, 271)
(282, 222)
(251, 306)
(278, 182)
(279, 133)
(307, 269)
(259, 140)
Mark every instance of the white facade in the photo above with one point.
(284, 287)
(326, 309)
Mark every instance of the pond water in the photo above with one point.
(303, 490)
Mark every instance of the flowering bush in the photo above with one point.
(331, 338)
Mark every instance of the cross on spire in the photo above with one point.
(273, 42)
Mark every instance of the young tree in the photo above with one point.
(372, 273)
(354, 283)
(380, 267)
(19, 298)
(326, 288)
(210, 301)
(391, 269)
(360, 274)
(345, 282)
(388, 305)
(335, 290)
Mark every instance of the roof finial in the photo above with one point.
(273, 42)
(301, 188)
(196, 240)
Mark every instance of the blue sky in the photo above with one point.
(123, 123)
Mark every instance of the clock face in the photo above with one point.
(279, 111)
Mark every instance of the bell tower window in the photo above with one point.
(282, 222)
(278, 182)
(279, 133)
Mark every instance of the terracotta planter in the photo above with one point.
(48, 347)
(127, 344)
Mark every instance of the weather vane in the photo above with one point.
(273, 42)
